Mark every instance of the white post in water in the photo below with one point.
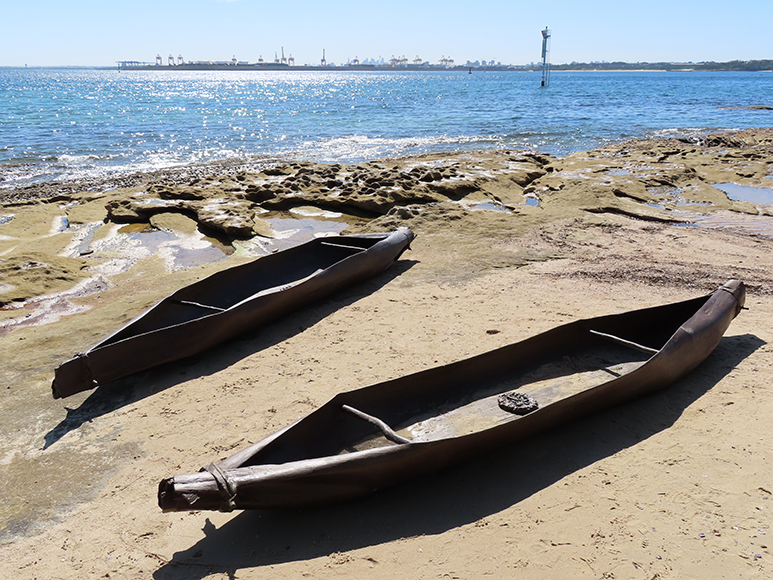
(545, 57)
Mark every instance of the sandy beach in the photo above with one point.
(509, 244)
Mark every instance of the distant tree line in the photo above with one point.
(733, 65)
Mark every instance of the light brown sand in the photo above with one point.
(675, 485)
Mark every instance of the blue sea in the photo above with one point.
(71, 124)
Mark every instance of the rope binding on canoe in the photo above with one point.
(226, 487)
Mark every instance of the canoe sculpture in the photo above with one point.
(230, 303)
(376, 436)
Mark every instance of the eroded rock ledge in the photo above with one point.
(659, 180)
(644, 178)
(235, 204)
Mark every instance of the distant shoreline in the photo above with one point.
(765, 65)
(731, 66)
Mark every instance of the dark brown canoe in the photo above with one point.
(374, 437)
(230, 303)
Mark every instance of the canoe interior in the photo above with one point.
(546, 384)
(461, 398)
(228, 288)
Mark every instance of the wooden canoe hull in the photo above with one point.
(298, 466)
(230, 303)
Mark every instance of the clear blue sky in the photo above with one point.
(101, 32)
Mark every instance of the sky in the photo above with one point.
(102, 32)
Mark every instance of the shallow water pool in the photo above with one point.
(745, 193)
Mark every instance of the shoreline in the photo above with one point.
(757, 65)
(509, 243)
(123, 179)
(181, 174)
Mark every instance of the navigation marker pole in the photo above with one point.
(545, 57)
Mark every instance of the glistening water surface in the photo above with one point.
(67, 124)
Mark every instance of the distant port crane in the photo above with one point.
(170, 60)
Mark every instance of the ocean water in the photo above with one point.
(71, 124)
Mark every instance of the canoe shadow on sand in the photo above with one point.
(455, 496)
(114, 395)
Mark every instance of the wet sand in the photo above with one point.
(509, 244)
